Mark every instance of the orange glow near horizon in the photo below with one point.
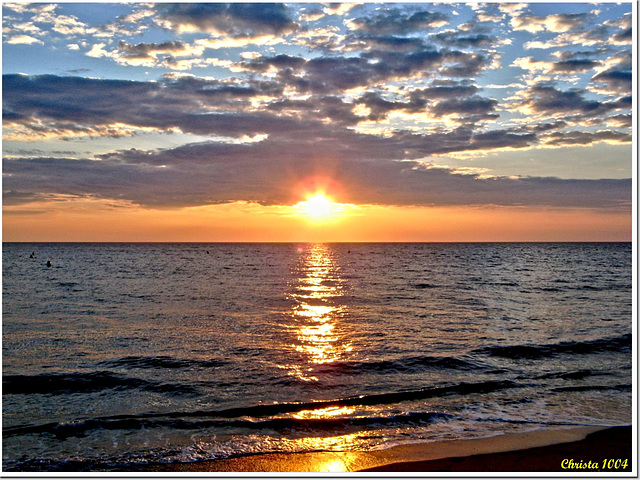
(92, 220)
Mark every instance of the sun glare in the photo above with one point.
(317, 206)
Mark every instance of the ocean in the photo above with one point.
(121, 355)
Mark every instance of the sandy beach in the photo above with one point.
(578, 450)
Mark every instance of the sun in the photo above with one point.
(317, 206)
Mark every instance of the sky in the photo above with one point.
(414, 121)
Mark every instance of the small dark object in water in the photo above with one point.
(33, 255)
(48, 263)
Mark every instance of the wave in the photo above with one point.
(366, 400)
(585, 388)
(161, 362)
(63, 430)
(621, 343)
(413, 364)
(564, 286)
(425, 285)
(257, 416)
(577, 375)
(67, 383)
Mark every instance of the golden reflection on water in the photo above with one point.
(337, 443)
(317, 312)
(327, 412)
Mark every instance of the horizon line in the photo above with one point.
(292, 242)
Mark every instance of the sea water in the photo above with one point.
(120, 355)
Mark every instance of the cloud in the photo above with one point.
(551, 23)
(624, 37)
(378, 107)
(475, 105)
(327, 39)
(339, 8)
(394, 21)
(512, 8)
(23, 40)
(546, 99)
(449, 90)
(621, 120)
(564, 55)
(218, 173)
(97, 50)
(384, 43)
(569, 66)
(455, 39)
(283, 141)
(624, 34)
(69, 25)
(149, 53)
(227, 18)
(312, 15)
(46, 15)
(337, 74)
(576, 65)
(154, 54)
(615, 81)
(52, 106)
(586, 138)
(49, 103)
(378, 93)
(597, 36)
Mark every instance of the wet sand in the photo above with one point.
(577, 450)
(583, 456)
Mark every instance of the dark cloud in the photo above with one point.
(574, 65)
(384, 43)
(380, 107)
(569, 21)
(615, 79)
(398, 22)
(300, 137)
(331, 107)
(465, 65)
(621, 120)
(229, 18)
(461, 40)
(564, 55)
(72, 103)
(448, 90)
(150, 48)
(624, 36)
(225, 173)
(546, 99)
(334, 74)
(502, 139)
(474, 105)
(149, 51)
(315, 125)
(585, 138)
(281, 61)
(545, 127)
(454, 100)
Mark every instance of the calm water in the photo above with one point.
(137, 353)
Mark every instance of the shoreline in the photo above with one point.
(575, 450)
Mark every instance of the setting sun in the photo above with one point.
(318, 206)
